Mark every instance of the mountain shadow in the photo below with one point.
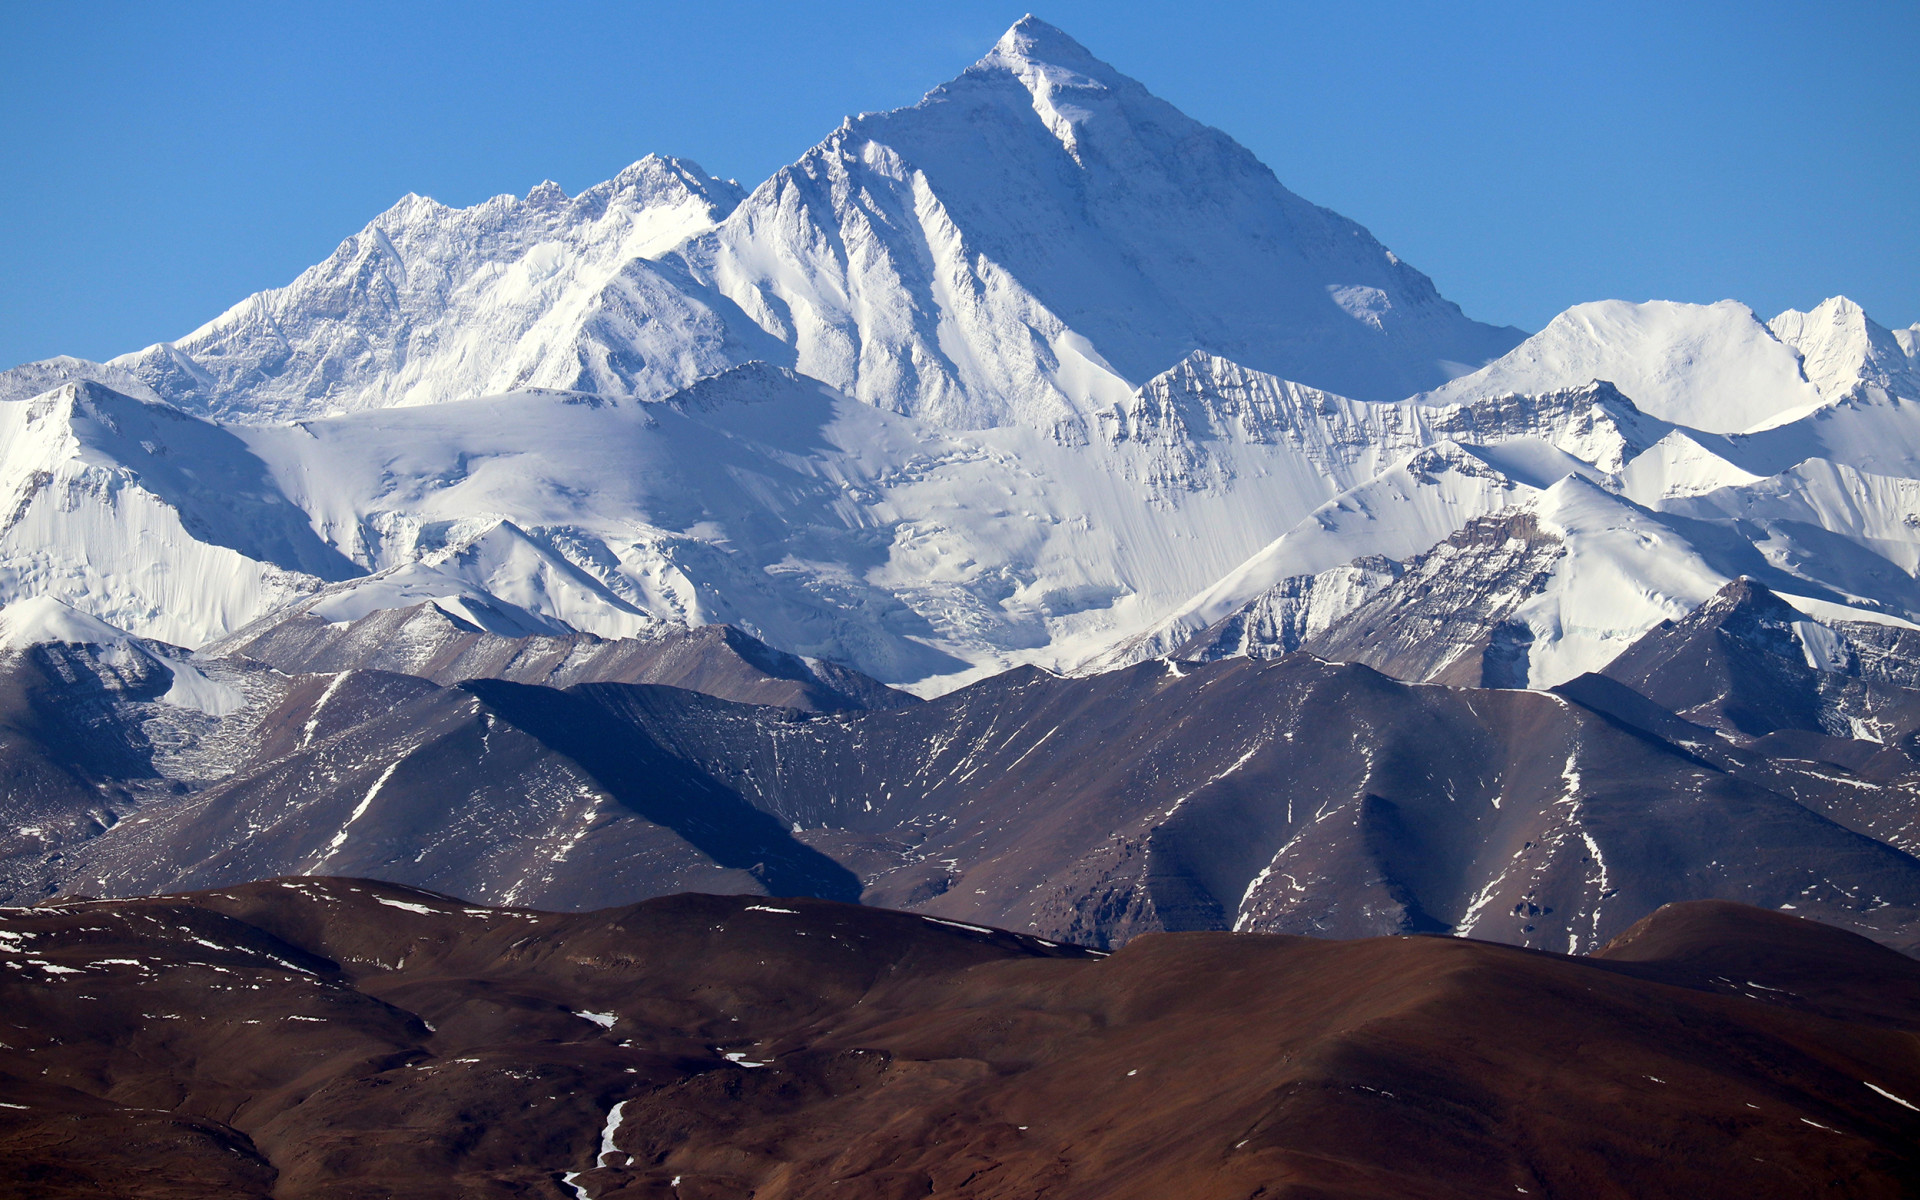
(635, 770)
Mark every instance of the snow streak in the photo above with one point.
(359, 810)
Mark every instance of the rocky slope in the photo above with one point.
(1286, 795)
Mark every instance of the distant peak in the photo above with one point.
(1033, 42)
(665, 178)
(655, 166)
(547, 194)
(1834, 310)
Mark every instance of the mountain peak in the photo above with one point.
(1068, 86)
(547, 194)
(1033, 42)
(1841, 348)
(1713, 367)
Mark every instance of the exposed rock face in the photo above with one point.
(299, 1038)
(1292, 613)
(1747, 664)
(1448, 618)
(1290, 795)
(90, 732)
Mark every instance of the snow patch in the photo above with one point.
(400, 904)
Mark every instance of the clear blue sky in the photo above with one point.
(160, 161)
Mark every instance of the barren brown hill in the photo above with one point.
(341, 1038)
(1282, 796)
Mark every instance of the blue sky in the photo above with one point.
(159, 162)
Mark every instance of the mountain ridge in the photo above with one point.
(669, 282)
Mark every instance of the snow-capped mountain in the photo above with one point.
(1842, 349)
(922, 555)
(1817, 498)
(1025, 245)
(1037, 370)
(1020, 511)
(28, 380)
(430, 303)
(1040, 235)
(832, 528)
(1714, 367)
(1036, 373)
(155, 521)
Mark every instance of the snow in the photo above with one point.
(313, 716)
(958, 925)
(403, 905)
(1624, 572)
(1823, 649)
(35, 620)
(1841, 348)
(607, 1132)
(192, 688)
(1828, 612)
(153, 522)
(501, 581)
(1678, 465)
(1533, 463)
(1713, 367)
(1398, 513)
(1030, 240)
(1833, 526)
(820, 524)
(38, 619)
(1889, 1095)
(430, 303)
(770, 909)
(32, 379)
(359, 810)
(604, 1020)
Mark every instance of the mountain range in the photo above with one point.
(1017, 657)
(970, 517)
